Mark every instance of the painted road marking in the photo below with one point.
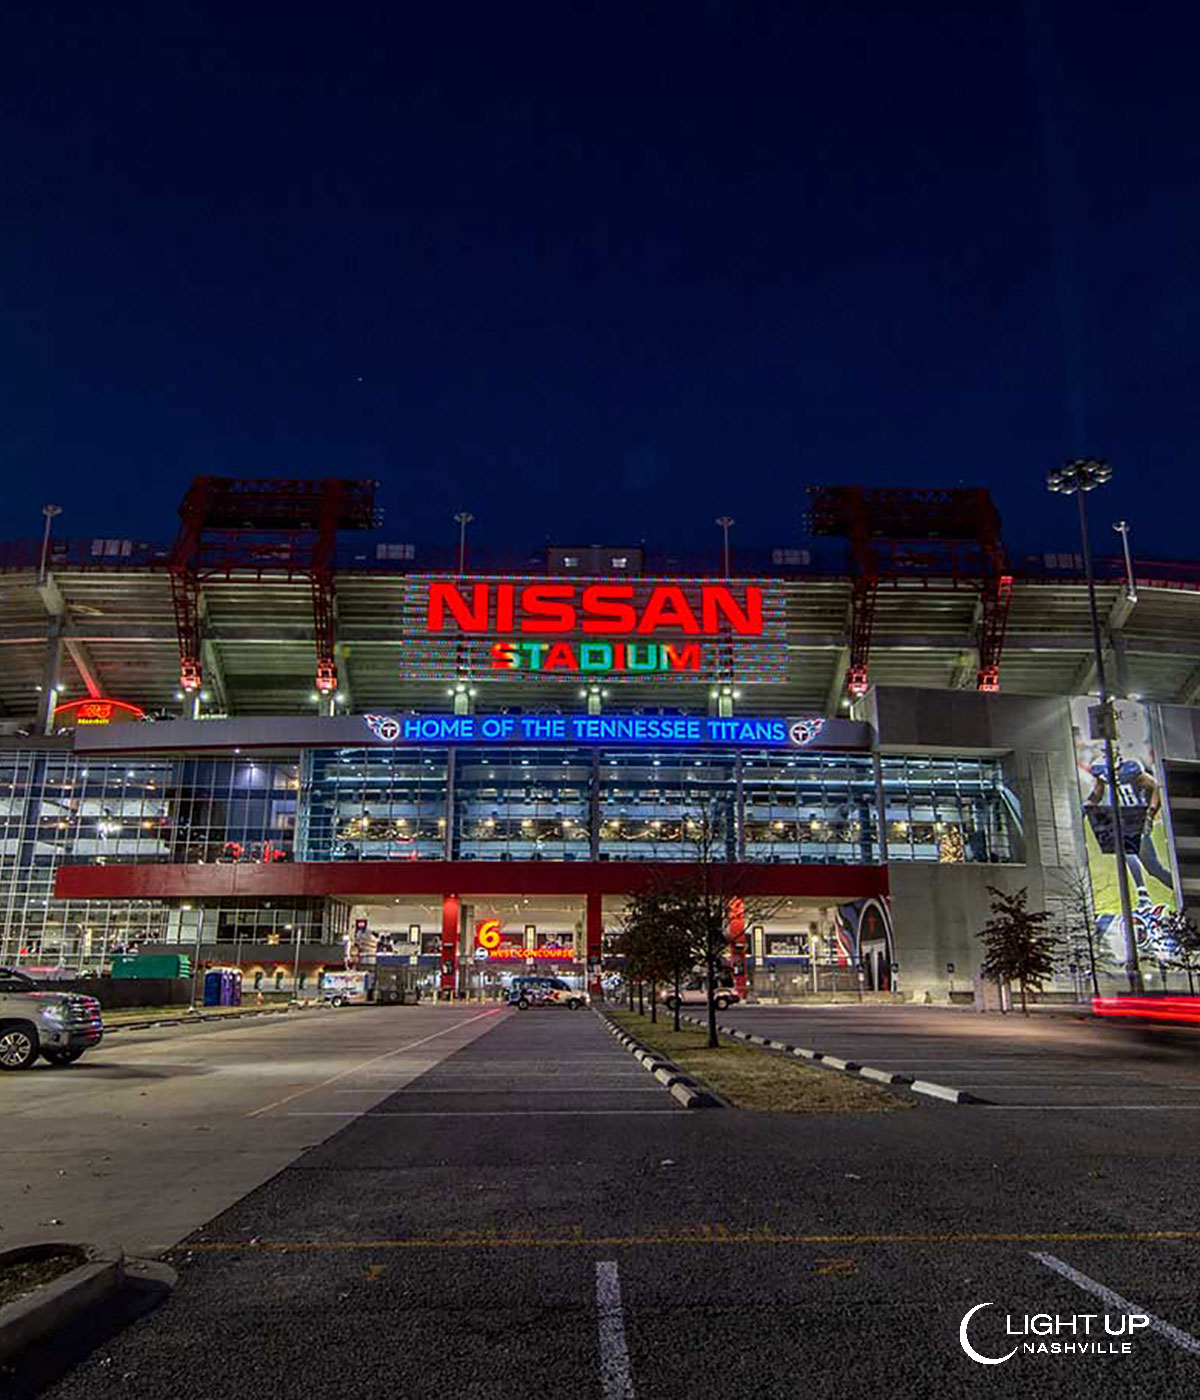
(714, 1234)
(616, 1379)
(375, 1059)
(498, 1113)
(1182, 1339)
(491, 1091)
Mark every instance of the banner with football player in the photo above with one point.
(1144, 837)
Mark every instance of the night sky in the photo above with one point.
(599, 271)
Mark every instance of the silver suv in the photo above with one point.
(59, 1026)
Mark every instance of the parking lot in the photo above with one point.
(532, 1214)
(1040, 1062)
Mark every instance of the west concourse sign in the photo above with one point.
(810, 732)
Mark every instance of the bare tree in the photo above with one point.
(1076, 921)
(703, 895)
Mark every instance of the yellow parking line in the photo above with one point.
(704, 1235)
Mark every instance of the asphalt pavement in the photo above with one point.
(528, 1217)
(1012, 1062)
(156, 1131)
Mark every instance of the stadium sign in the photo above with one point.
(602, 729)
(700, 630)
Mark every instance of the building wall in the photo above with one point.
(938, 909)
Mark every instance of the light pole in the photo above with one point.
(464, 518)
(49, 512)
(296, 970)
(725, 521)
(1122, 529)
(1076, 479)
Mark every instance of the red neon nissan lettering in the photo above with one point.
(471, 617)
(548, 609)
(543, 610)
(668, 608)
(608, 608)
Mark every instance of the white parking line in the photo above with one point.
(1182, 1339)
(1092, 1107)
(616, 1379)
(375, 1059)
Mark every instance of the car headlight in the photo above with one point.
(55, 1014)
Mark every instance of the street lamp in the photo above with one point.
(49, 512)
(1076, 479)
(725, 521)
(464, 518)
(1122, 529)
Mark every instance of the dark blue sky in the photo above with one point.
(599, 271)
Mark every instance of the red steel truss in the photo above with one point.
(902, 533)
(254, 527)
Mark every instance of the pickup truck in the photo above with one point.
(59, 1026)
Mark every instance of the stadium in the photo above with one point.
(289, 741)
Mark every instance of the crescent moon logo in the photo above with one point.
(970, 1350)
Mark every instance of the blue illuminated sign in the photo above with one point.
(594, 729)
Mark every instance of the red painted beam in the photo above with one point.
(367, 879)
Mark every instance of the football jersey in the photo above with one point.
(1131, 794)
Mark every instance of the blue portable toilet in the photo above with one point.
(213, 980)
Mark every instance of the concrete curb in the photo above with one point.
(879, 1076)
(52, 1306)
(679, 1085)
(942, 1091)
(154, 1023)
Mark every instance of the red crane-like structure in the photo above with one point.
(236, 525)
(898, 534)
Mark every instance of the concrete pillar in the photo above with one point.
(48, 699)
(595, 933)
(450, 922)
(737, 944)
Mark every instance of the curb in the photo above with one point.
(681, 1088)
(195, 1020)
(53, 1305)
(879, 1076)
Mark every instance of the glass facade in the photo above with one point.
(430, 804)
(950, 810)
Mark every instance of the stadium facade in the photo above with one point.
(274, 744)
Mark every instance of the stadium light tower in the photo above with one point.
(1077, 478)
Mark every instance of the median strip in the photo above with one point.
(740, 1075)
(849, 1067)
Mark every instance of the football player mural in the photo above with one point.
(1144, 839)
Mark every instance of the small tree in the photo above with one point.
(1183, 938)
(1016, 949)
(665, 944)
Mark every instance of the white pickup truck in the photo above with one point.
(59, 1026)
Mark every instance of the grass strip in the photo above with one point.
(754, 1078)
(16, 1280)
